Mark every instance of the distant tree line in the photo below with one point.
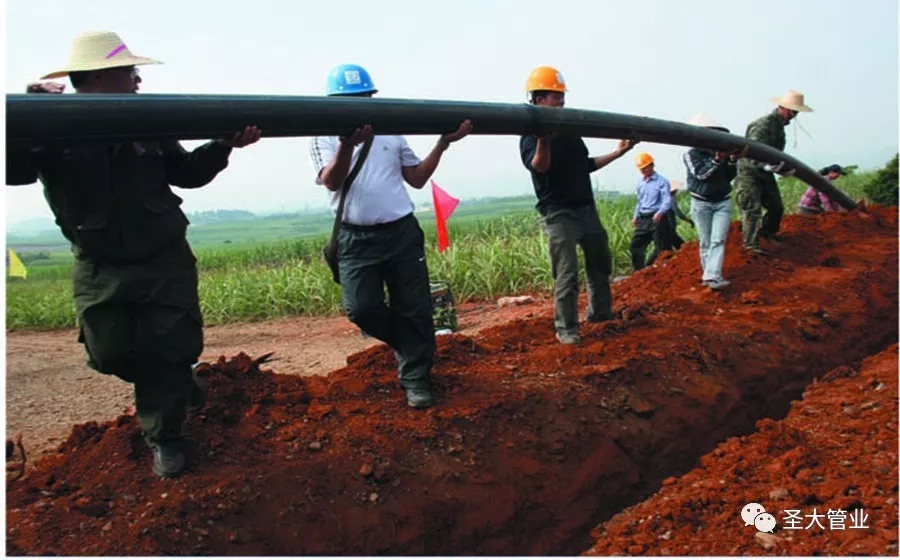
(32, 256)
(218, 216)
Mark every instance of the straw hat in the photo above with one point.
(99, 50)
(701, 119)
(792, 100)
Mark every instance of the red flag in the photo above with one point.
(444, 205)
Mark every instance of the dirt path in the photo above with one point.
(49, 388)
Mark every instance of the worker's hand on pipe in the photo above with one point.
(625, 145)
(359, 136)
(780, 169)
(464, 130)
(741, 153)
(775, 168)
(720, 157)
(45, 87)
(250, 135)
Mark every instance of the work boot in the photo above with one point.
(419, 398)
(568, 338)
(168, 459)
(718, 284)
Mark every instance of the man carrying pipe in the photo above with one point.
(560, 172)
(134, 276)
(755, 186)
(380, 242)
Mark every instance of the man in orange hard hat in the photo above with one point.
(650, 221)
(560, 172)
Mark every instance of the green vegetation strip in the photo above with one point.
(496, 249)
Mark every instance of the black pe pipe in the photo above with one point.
(46, 119)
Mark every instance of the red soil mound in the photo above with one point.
(832, 463)
(531, 445)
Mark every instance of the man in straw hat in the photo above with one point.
(135, 276)
(755, 186)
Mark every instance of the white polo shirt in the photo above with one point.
(378, 194)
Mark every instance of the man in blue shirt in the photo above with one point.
(649, 220)
(561, 168)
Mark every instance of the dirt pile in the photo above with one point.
(827, 473)
(532, 444)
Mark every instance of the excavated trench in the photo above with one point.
(532, 445)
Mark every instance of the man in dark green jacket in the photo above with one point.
(135, 276)
(755, 186)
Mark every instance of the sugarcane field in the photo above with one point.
(452, 280)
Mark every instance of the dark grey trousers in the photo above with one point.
(392, 255)
(142, 323)
(646, 231)
(566, 229)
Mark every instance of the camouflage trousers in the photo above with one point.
(753, 193)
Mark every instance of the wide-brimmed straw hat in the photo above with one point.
(792, 100)
(99, 50)
(701, 119)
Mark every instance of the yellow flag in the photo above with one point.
(16, 268)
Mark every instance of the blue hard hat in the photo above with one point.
(349, 79)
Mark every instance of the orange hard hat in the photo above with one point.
(643, 160)
(545, 78)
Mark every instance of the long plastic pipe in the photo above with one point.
(42, 119)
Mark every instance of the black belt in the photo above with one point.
(377, 227)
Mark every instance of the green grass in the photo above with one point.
(498, 248)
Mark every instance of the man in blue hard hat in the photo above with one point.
(380, 242)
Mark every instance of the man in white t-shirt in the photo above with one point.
(380, 242)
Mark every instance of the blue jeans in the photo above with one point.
(712, 220)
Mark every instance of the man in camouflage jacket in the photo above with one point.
(755, 186)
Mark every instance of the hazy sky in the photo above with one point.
(660, 58)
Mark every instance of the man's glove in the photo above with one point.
(780, 169)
